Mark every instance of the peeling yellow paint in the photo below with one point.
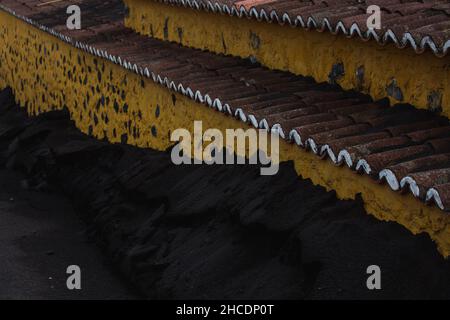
(424, 80)
(107, 101)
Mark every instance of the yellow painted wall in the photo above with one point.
(108, 101)
(424, 80)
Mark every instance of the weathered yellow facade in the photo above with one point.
(381, 71)
(110, 102)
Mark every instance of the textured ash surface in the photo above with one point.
(218, 231)
(41, 235)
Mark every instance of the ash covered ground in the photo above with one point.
(214, 232)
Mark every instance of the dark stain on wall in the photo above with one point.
(394, 91)
(255, 41)
(166, 29)
(336, 73)
(360, 78)
(434, 100)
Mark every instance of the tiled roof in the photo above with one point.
(406, 147)
(420, 24)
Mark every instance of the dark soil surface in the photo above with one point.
(212, 232)
(40, 236)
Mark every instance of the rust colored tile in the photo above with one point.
(343, 143)
(425, 180)
(381, 160)
(360, 151)
(437, 161)
(441, 195)
(352, 130)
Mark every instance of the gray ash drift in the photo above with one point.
(218, 231)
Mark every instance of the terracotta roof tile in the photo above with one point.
(406, 147)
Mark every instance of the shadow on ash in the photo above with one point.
(213, 232)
